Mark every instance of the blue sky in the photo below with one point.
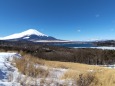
(63, 19)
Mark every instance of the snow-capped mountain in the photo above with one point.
(29, 35)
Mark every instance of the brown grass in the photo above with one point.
(28, 66)
(71, 74)
(80, 73)
(105, 77)
(87, 79)
(99, 78)
(73, 66)
(2, 50)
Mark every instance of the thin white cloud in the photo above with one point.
(78, 30)
(97, 15)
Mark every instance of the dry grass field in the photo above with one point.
(81, 74)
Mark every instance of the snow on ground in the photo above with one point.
(108, 66)
(8, 73)
(104, 48)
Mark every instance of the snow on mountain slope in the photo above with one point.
(23, 34)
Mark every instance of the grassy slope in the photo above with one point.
(78, 72)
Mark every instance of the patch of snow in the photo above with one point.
(90, 70)
(8, 73)
(57, 73)
(108, 66)
(26, 37)
(103, 48)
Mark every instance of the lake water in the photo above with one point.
(88, 45)
(76, 45)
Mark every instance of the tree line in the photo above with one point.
(56, 53)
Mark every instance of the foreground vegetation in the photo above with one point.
(81, 74)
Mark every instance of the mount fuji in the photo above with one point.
(29, 35)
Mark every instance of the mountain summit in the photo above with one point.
(33, 32)
(29, 35)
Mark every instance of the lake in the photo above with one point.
(87, 45)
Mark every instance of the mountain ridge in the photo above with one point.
(29, 35)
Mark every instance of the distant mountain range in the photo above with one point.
(31, 35)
